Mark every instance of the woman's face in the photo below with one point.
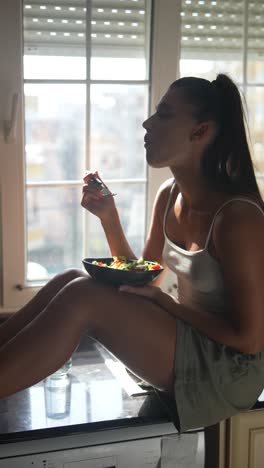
(168, 140)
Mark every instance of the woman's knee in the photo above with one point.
(70, 274)
(89, 298)
(80, 290)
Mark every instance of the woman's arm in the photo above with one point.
(155, 237)
(239, 241)
(213, 326)
(238, 237)
(115, 236)
(105, 209)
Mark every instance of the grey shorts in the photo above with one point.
(212, 381)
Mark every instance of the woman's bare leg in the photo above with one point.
(34, 307)
(134, 329)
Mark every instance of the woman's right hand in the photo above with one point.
(94, 201)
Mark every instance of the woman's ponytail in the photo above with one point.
(226, 163)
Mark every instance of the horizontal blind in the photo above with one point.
(217, 27)
(58, 27)
(256, 29)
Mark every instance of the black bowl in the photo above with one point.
(118, 277)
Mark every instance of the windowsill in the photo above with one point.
(76, 401)
(4, 314)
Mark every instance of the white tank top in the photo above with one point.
(200, 282)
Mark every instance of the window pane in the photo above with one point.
(208, 69)
(255, 99)
(255, 64)
(120, 40)
(52, 250)
(211, 38)
(56, 68)
(117, 113)
(55, 131)
(105, 68)
(54, 40)
(54, 235)
(130, 201)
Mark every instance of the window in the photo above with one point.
(221, 36)
(86, 74)
(76, 75)
(107, 64)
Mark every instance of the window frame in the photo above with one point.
(164, 68)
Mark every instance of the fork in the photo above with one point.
(98, 183)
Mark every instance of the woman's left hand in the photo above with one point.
(154, 293)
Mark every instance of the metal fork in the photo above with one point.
(98, 183)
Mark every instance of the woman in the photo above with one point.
(203, 350)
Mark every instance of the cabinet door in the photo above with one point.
(245, 440)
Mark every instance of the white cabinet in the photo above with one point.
(245, 440)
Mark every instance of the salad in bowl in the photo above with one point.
(120, 270)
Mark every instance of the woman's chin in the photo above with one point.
(155, 158)
(152, 162)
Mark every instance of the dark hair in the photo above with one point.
(226, 163)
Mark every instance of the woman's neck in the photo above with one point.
(195, 195)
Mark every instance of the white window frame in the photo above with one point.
(164, 69)
(245, 83)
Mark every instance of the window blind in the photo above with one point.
(59, 27)
(216, 28)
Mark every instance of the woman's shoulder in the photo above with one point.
(241, 207)
(166, 190)
(166, 187)
(237, 217)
